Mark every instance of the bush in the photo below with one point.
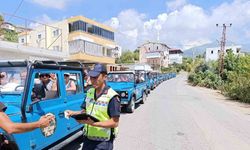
(235, 80)
(237, 85)
(205, 79)
(9, 35)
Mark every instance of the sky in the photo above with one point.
(178, 23)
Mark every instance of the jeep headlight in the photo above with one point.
(124, 94)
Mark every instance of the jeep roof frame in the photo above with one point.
(38, 64)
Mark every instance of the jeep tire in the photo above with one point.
(131, 106)
(144, 97)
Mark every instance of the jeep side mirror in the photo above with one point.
(137, 81)
(29, 108)
(38, 92)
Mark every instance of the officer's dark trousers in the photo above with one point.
(96, 145)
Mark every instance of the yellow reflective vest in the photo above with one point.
(99, 109)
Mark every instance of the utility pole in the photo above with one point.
(222, 48)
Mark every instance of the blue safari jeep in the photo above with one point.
(130, 86)
(155, 79)
(27, 100)
(146, 75)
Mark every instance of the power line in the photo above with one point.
(18, 7)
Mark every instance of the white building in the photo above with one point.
(155, 54)
(7, 25)
(117, 52)
(13, 51)
(214, 52)
(175, 56)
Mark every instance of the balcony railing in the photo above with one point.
(82, 46)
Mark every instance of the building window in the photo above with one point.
(109, 52)
(212, 51)
(39, 36)
(76, 46)
(237, 50)
(93, 49)
(89, 28)
(107, 34)
(86, 27)
(77, 26)
(57, 48)
(82, 26)
(70, 27)
(157, 47)
(56, 33)
(97, 30)
(103, 51)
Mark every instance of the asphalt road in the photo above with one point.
(177, 116)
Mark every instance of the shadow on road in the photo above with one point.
(137, 106)
(74, 145)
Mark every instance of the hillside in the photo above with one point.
(200, 50)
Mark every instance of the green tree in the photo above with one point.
(187, 64)
(237, 77)
(1, 22)
(230, 63)
(136, 55)
(8, 35)
(127, 57)
(11, 36)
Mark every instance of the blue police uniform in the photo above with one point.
(113, 109)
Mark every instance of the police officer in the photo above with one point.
(103, 103)
(11, 127)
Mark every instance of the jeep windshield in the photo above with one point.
(121, 77)
(12, 80)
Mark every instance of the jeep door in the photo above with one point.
(73, 91)
(140, 85)
(47, 99)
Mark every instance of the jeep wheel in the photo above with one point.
(131, 105)
(144, 98)
(148, 92)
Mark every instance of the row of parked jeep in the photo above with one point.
(134, 86)
(27, 103)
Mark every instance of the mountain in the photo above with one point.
(200, 50)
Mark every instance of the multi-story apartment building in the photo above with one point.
(155, 54)
(83, 39)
